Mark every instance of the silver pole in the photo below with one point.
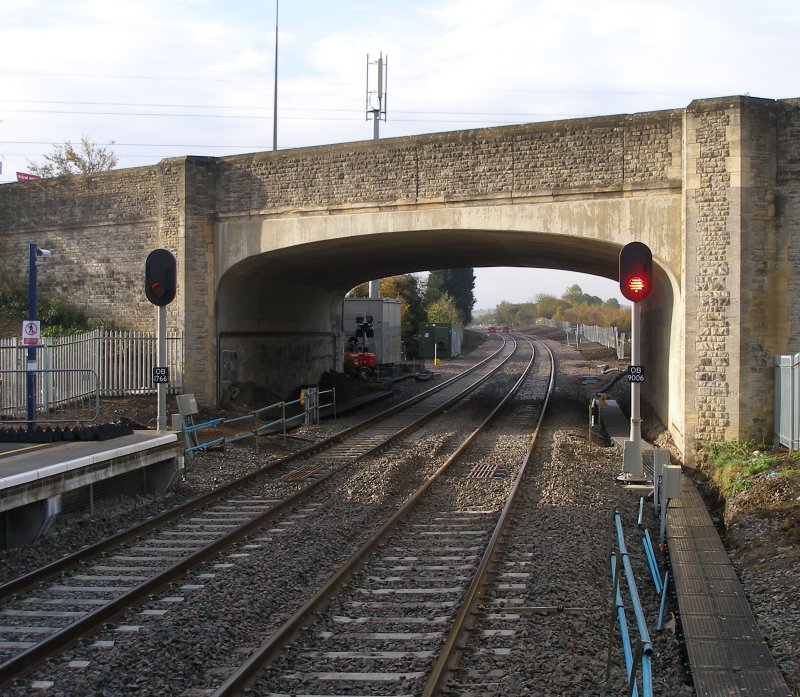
(636, 419)
(161, 361)
(275, 103)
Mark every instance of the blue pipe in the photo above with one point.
(660, 623)
(647, 676)
(623, 628)
(650, 553)
(644, 635)
(647, 647)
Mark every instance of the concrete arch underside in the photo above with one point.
(281, 280)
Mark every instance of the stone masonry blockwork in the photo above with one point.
(735, 161)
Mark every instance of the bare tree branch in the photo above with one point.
(67, 159)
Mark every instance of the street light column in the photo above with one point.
(31, 353)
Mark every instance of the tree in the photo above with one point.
(459, 284)
(70, 159)
(525, 315)
(360, 291)
(443, 311)
(548, 306)
(412, 310)
(574, 295)
(505, 313)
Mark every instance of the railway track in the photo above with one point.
(391, 618)
(46, 612)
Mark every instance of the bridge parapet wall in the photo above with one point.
(610, 154)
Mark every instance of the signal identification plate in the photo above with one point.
(635, 373)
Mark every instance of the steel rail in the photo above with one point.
(250, 670)
(69, 561)
(459, 630)
(30, 658)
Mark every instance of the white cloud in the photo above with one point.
(452, 64)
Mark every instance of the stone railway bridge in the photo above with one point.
(269, 243)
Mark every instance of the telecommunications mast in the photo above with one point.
(376, 100)
(275, 86)
(376, 106)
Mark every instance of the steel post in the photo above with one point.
(161, 361)
(30, 382)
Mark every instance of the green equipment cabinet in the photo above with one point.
(440, 340)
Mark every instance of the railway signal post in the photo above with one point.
(159, 288)
(635, 283)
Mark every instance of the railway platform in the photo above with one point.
(727, 654)
(39, 480)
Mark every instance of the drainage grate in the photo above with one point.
(486, 471)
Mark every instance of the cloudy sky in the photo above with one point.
(160, 78)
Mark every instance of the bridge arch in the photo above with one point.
(282, 280)
(713, 189)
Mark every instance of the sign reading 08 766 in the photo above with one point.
(635, 373)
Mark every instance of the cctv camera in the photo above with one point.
(41, 256)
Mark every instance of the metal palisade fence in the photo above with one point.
(787, 401)
(112, 363)
(609, 337)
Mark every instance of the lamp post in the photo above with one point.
(36, 257)
(275, 87)
(31, 353)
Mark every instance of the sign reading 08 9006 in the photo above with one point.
(635, 373)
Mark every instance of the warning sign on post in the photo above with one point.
(160, 375)
(635, 373)
(30, 332)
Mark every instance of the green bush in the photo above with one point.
(733, 465)
(57, 318)
(13, 301)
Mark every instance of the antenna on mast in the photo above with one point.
(376, 100)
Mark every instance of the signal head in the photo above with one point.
(160, 277)
(635, 271)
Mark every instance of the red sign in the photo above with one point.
(25, 177)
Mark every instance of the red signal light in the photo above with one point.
(635, 271)
(636, 285)
(160, 277)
